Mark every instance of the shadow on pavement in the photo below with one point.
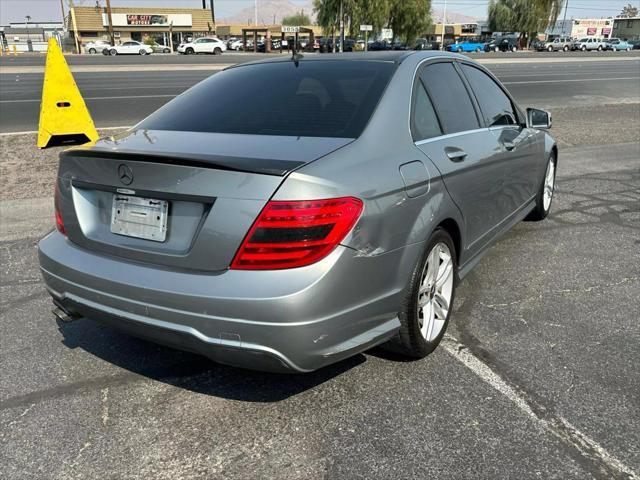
(190, 371)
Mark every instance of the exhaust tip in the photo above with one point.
(64, 316)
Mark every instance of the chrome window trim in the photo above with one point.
(450, 135)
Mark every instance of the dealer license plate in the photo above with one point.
(139, 217)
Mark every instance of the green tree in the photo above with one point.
(407, 18)
(629, 11)
(528, 17)
(296, 20)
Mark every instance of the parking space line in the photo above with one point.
(556, 425)
(31, 100)
(574, 80)
(32, 132)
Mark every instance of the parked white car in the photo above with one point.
(203, 45)
(589, 43)
(236, 45)
(96, 47)
(131, 48)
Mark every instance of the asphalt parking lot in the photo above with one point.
(537, 378)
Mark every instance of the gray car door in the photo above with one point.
(465, 154)
(516, 145)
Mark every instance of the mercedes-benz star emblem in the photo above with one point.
(125, 174)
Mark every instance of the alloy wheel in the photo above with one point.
(549, 180)
(436, 290)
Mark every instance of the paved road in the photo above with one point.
(124, 98)
(538, 378)
(174, 59)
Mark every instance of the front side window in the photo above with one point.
(323, 98)
(450, 97)
(496, 106)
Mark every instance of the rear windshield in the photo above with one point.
(325, 98)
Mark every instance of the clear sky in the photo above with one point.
(42, 10)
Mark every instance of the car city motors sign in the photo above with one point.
(147, 20)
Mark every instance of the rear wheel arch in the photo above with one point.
(452, 228)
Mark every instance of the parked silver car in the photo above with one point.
(589, 43)
(557, 44)
(329, 204)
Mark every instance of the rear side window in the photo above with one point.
(424, 122)
(324, 98)
(450, 98)
(496, 107)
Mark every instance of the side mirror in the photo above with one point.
(538, 119)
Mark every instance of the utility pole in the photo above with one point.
(341, 26)
(213, 16)
(27, 18)
(204, 4)
(255, 12)
(444, 24)
(110, 22)
(564, 20)
(62, 8)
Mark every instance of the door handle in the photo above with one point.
(455, 154)
(509, 145)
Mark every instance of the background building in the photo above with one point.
(89, 24)
(30, 37)
(628, 28)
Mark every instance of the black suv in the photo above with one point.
(502, 44)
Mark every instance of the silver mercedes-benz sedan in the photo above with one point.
(286, 214)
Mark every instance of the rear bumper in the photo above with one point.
(289, 320)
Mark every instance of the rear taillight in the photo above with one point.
(297, 233)
(56, 203)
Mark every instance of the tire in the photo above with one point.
(614, 49)
(92, 51)
(565, 48)
(543, 206)
(496, 49)
(217, 51)
(416, 339)
(584, 48)
(599, 48)
(628, 49)
(478, 50)
(189, 51)
(143, 52)
(113, 52)
(549, 48)
(166, 50)
(514, 49)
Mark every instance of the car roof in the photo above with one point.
(394, 56)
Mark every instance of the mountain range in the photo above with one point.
(272, 12)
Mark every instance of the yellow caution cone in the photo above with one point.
(64, 117)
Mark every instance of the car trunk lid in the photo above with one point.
(205, 188)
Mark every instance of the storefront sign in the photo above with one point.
(606, 31)
(148, 19)
(591, 30)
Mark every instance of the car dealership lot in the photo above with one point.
(537, 378)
